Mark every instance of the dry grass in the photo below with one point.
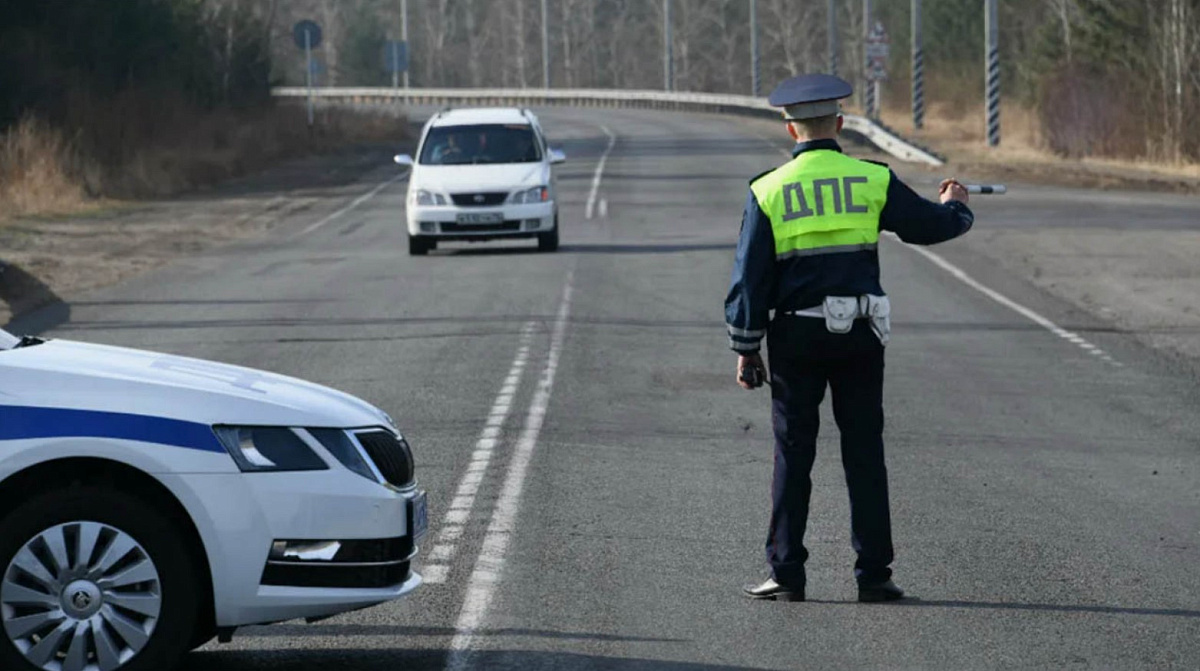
(141, 146)
(37, 171)
(958, 131)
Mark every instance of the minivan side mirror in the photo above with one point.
(402, 159)
(557, 156)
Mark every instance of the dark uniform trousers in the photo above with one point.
(804, 358)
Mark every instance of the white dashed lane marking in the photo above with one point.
(486, 575)
(436, 564)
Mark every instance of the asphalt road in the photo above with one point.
(1046, 497)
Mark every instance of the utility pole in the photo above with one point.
(308, 68)
(668, 60)
(404, 38)
(545, 46)
(833, 37)
(754, 69)
(918, 68)
(992, 76)
(868, 86)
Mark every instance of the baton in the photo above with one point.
(985, 189)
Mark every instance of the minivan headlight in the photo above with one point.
(268, 448)
(426, 197)
(538, 194)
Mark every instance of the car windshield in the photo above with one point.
(8, 340)
(483, 144)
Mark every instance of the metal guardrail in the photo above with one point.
(875, 133)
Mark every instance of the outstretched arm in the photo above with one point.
(924, 222)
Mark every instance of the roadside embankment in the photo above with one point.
(1024, 154)
(135, 149)
(53, 258)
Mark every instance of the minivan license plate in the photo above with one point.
(419, 514)
(480, 218)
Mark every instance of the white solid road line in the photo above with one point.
(436, 565)
(591, 201)
(1007, 302)
(482, 584)
(354, 203)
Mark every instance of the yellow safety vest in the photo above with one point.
(823, 202)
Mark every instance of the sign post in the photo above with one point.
(395, 59)
(404, 32)
(307, 35)
(878, 48)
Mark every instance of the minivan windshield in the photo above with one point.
(8, 340)
(481, 144)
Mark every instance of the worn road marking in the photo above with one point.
(354, 203)
(437, 560)
(591, 201)
(482, 584)
(1007, 302)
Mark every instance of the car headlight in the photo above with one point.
(425, 197)
(538, 194)
(268, 448)
(343, 449)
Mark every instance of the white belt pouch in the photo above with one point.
(841, 311)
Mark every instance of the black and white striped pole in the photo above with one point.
(869, 86)
(754, 70)
(918, 68)
(992, 81)
(833, 37)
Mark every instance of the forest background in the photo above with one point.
(148, 97)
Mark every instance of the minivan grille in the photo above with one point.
(392, 456)
(479, 199)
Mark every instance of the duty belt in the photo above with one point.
(839, 313)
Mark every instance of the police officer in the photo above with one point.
(808, 252)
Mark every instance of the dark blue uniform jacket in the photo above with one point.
(761, 284)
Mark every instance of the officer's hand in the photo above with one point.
(952, 189)
(751, 373)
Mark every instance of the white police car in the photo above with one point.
(149, 502)
(482, 174)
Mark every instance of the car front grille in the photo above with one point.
(479, 199)
(502, 227)
(392, 456)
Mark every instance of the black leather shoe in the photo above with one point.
(773, 591)
(880, 591)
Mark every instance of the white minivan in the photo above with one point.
(481, 174)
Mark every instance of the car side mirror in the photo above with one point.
(557, 156)
(402, 159)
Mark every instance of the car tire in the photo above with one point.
(131, 540)
(548, 242)
(418, 246)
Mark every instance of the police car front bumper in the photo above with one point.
(301, 544)
(480, 223)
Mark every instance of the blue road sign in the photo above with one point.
(311, 29)
(395, 56)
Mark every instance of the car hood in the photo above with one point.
(67, 374)
(471, 178)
